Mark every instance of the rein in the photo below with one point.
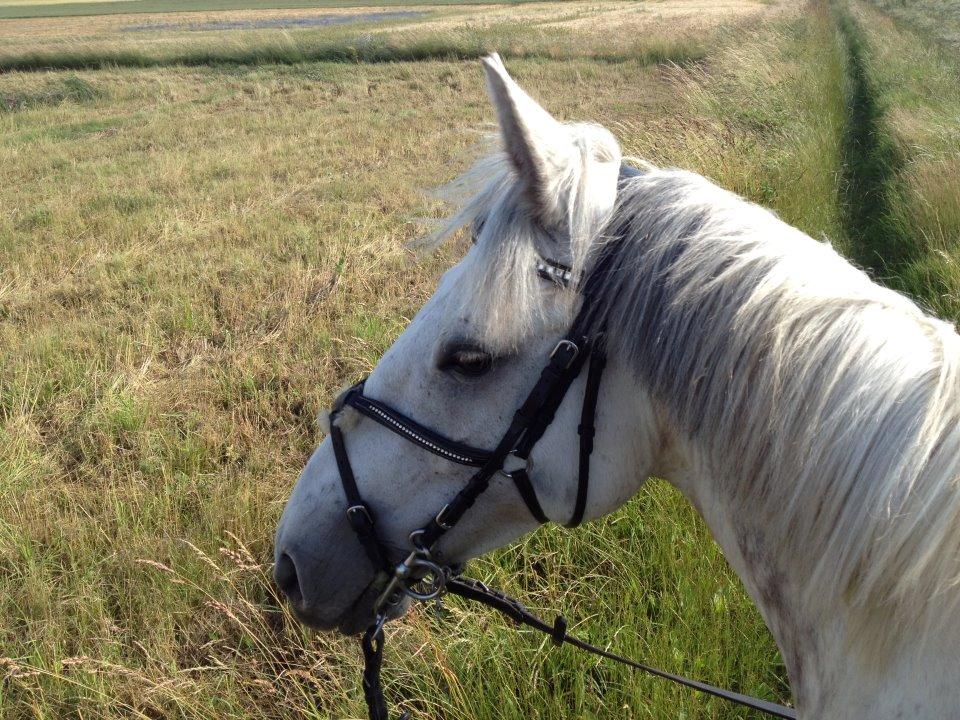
(422, 575)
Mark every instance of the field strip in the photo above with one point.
(34, 3)
(901, 165)
(376, 45)
(870, 163)
(12, 9)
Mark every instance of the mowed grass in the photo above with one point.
(553, 31)
(936, 19)
(71, 8)
(193, 260)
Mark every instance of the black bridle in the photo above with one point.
(422, 575)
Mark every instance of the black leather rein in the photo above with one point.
(421, 575)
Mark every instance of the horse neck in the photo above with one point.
(840, 661)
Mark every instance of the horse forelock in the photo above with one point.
(827, 405)
(501, 292)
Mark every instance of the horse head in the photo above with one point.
(461, 369)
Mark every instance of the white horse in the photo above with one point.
(811, 416)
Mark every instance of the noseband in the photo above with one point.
(422, 575)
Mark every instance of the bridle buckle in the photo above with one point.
(359, 508)
(568, 346)
(438, 519)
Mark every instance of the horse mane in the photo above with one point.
(828, 405)
(825, 404)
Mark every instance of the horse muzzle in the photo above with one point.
(318, 611)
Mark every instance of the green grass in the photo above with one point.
(66, 89)
(194, 259)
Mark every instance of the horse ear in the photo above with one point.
(539, 147)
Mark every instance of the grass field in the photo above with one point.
(205, 235)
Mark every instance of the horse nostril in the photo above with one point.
(285, 575)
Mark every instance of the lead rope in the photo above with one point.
(476, 591)
(372, 644)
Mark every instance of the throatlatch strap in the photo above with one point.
(538, 426)
(587, 430)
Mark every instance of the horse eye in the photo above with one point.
(468, 361)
